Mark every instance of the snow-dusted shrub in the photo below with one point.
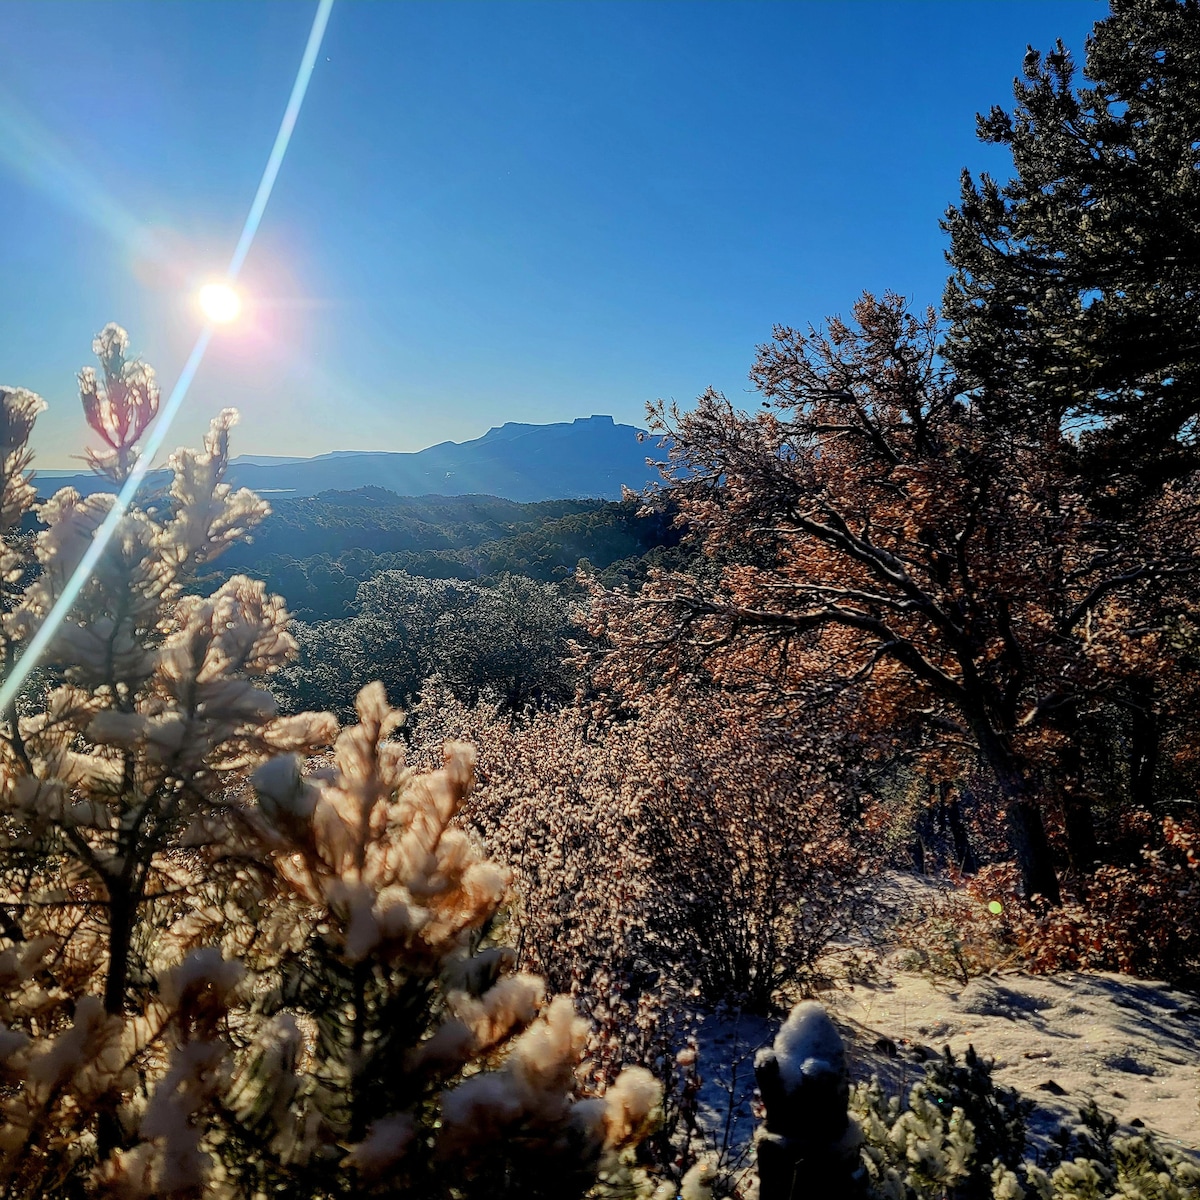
(929, 1149)
(389, 965)
(1095, 1163)
(916, 1151)
(756, 853)
(998, 1115)
(115, 780)
(561, 806)
(213, 990)
(697, 841)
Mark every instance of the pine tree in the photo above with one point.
(1075, 298)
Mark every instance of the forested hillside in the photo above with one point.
(317, 551)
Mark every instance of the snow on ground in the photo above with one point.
(727, 1043)
(1060, 1040)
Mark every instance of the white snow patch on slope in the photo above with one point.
(1132, 1045)
(1060, 1040)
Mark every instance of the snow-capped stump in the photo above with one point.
(809, 1135)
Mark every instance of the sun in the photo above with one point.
(219, 303)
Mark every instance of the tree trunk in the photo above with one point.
(922, 829)
(360, 1101)
(918, 854)
(1143, 749)
(964, 854)
(121, 911)
(1026, 831)
(1082, 851)
(1031, 848)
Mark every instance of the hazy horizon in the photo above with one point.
(80, 467)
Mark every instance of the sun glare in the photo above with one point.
(220, 303)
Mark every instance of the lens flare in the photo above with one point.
(219, 303)
(36, 647)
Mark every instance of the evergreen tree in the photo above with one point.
(1075, 298)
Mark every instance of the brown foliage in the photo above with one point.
(701, 840)
(949, 595)
(1141, 919)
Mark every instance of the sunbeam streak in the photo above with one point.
(41, 639)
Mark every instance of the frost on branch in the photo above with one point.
(171, 1158)
(19, 409)
(928, 1149)
(205, 996)
(120, 408)
(209, 515)
(395, 908)
(529, 1103)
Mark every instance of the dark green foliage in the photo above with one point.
(1126, 1166)
(470, 588)
(1075, 299)
(317, 551)
(998, 1114)
(380, 521)
(611, 534)
(1095, 1161)
(504, 644)
(1095, 1139)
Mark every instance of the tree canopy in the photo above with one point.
(892, 566)
(1074, 303)
(504, 644)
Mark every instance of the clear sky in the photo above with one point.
(490, 211)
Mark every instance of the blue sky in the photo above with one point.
(489, 211)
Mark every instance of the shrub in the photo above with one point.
(997, 1115)
(921, 1151)
(1140, 920)
(696, 842)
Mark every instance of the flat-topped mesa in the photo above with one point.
(512, 429)
(587, 456)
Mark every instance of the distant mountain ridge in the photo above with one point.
(588, 457)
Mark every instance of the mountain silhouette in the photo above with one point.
(587, 457)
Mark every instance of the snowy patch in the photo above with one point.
(1060, 1040)
(728, 1042)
